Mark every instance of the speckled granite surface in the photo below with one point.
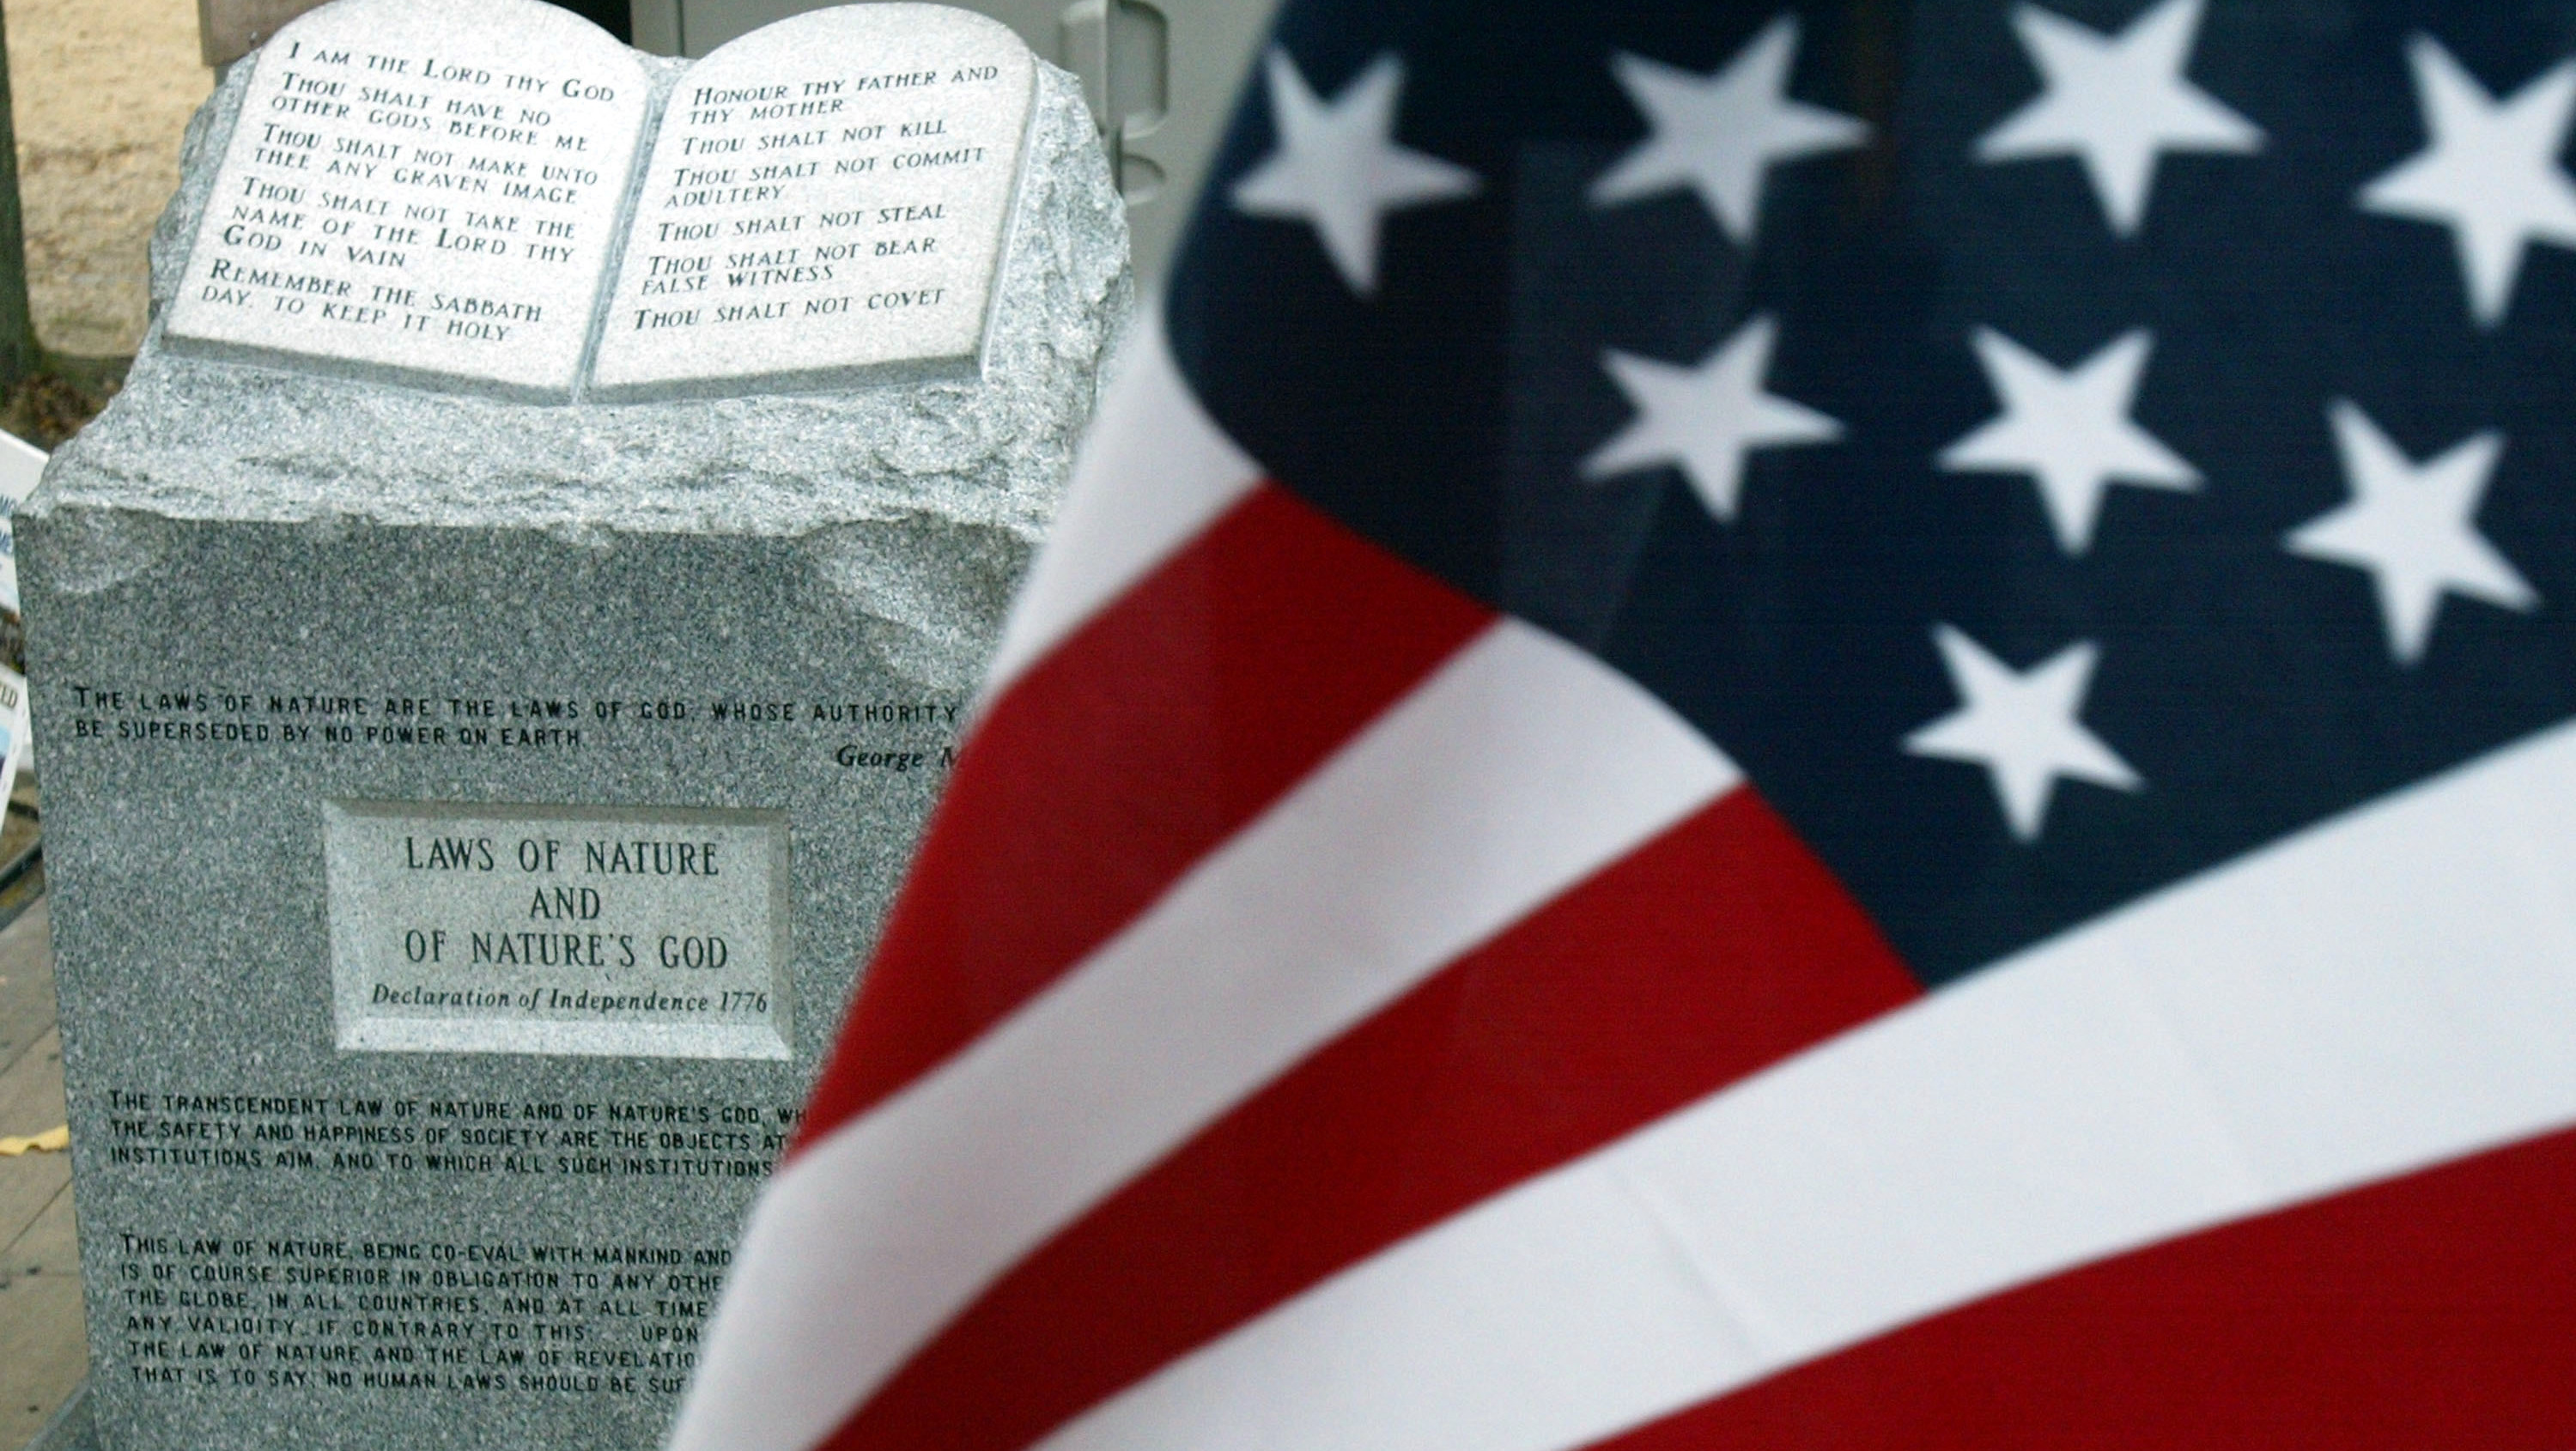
(252, 593)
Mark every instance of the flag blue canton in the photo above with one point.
(2080, 445)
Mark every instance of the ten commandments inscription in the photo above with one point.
(437, 194)
(827, 202)
(420, 192)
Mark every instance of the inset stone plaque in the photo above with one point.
(496, 929)
(826, 204)
(420, 193)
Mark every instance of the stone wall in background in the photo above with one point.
(102, 89)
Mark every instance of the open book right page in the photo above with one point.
(826, 205)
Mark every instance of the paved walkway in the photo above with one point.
(103, 89)
(42, 1354)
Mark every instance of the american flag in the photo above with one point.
(1764, 725)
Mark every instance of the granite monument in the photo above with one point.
(481, 729)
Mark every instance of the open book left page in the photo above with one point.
(422, 193)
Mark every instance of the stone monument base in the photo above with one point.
(464, 818)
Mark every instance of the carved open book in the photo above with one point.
(495, 195)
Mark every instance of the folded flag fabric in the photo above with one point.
(1764, 725)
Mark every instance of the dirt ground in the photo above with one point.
(101, 91)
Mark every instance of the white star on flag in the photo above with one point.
(1707, 417)
(2413, 528)
(2070, 431)
(1719, 134)
(2117, 103)
(1338, 166)
(2491, 173)
(2021, 726)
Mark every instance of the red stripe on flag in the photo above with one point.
(2433, 1310)
(1175, 716)
(1718, 947)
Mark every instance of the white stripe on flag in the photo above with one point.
(1153, 472)
(1515, 770)
(2389, 990)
